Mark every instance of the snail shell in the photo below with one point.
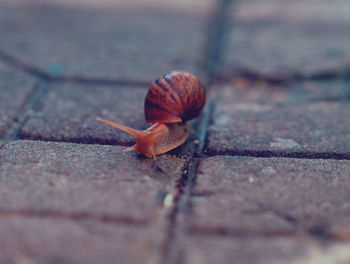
(173, 98)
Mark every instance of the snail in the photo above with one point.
(171, 101)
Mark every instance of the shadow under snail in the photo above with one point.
(171, 101)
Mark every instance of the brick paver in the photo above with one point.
(271, 194)
(76, 178)
(124, 42)
(267, 210)
(62, 116)
(274, 36)
(303, 120)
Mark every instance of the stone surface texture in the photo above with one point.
(76, 178)
(272, 36)
(249, 193)
(36, 240)
(264, 177)
(68, 113)
(15, 88)
(307, 119)
(122, 42)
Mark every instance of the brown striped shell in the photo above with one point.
(173, 98)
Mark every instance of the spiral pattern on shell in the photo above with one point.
(174, 97)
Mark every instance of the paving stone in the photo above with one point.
(68, 113)
(273, 36)
(258, 195)
(267, 210)
(15, 89)
(224, 250)
(125, 41)
(303, 120)
(79, 179)
(40, 240)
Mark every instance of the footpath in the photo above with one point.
(264, 177)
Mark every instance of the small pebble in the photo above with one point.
(168, 200)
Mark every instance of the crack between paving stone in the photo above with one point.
(221, 231)
(216, 38)
(283, 78)
(280, 154)
(209, 154)
(182, 200)
(32, 70)
(24, 113)
(204, 123)
(185, 184)
(317, 232)
(16, 63)
(49, 214)
(172, 216)
(288, 218)
(100, 81)
(181, 205)
(15, 120)
(4, 143)
(84, 140)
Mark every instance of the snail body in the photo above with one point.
(171, 101)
